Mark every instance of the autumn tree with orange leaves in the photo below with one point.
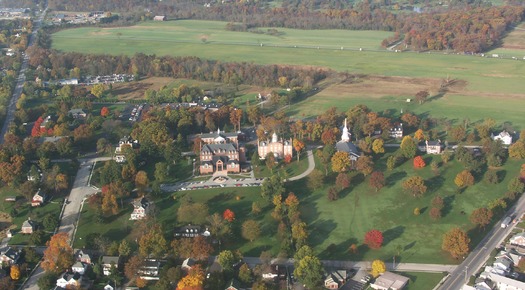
(419, 162)
(59, 255)
(104, 112)
(229, 215)
(193, 281)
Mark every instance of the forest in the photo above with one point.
(65, 65)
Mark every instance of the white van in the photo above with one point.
(506, 222)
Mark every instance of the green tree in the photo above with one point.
(310, 272)
(516, 185)
(245, 274)
(50, 222)
(124, 248)
(161, 172)
(408, 147)
(315, 179)
(517, 150)
(377, 146)
(153, 242)
(272, 186)
(47, 281)
(98, 90)
(415, 185)
(340, 162)
(226, 260)
(251, 230)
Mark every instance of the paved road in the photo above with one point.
(311, 167)
(364, 265)
(480, 254)
(69, 220)
(11, 108)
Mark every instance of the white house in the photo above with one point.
(335, 279)
(69, 281)
(390, 281)
(188, 264)
(77, 113)
(108, 262)
(140, 209)
(9, 256)
(396, 131)
(150, 269)
(78, 267)
(504, 283)
(39, 198)
(504, 136)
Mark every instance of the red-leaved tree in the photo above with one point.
(228, 215)
(374, 239)
(104, 112)
(419, 162)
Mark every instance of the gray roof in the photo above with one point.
(11, 253)
(221, 134)
(76, 111)
(110, 259)
(347, 147)
(28, 223)
(214, 147)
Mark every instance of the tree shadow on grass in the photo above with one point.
(337, 251)
(435, 183)
(320, 231)
(392, 234)
(447, 204)
(394, 177)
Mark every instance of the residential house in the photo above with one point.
(150, 269)
(504, 283)
(108, 262)
(221, 153)
(140, 209)
(79, 267)
(83, 257)
(191, 231)
(188, 264)
(335, 279)
(431, 147)
(46, 121)
(34, 174)
(346, 145)
(124, 142)
(396, 131)
(504, 136)
(69, 281)
(108, 287)
(159, 18)
(502, 265)
(77, 113)
(28, 226)
(389, 281)
(483, 284)
(10, 198)
(279, 148)
(275, 272)
(234, 284)
(39, 198)
(9, 257)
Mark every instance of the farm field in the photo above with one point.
(513, 44)
(488, 75)
(391, 93)
(161, 36)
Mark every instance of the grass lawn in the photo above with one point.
(359, 209)
(24, 210)
(421, 281)
(115, 228)
(287, 170)
(453, 107)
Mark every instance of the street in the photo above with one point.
(480, 254)
(11, 108)
(72, 208)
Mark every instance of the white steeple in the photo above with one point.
(345, 137)
(274, 138)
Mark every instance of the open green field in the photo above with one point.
(453, 107)
(183, 38)
(162, 36)
(360, 209)
(421, 281)
(513, 44)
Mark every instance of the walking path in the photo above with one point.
(362, 265)
(311, 167)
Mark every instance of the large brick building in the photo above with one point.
(279, 148)
(221, 153)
